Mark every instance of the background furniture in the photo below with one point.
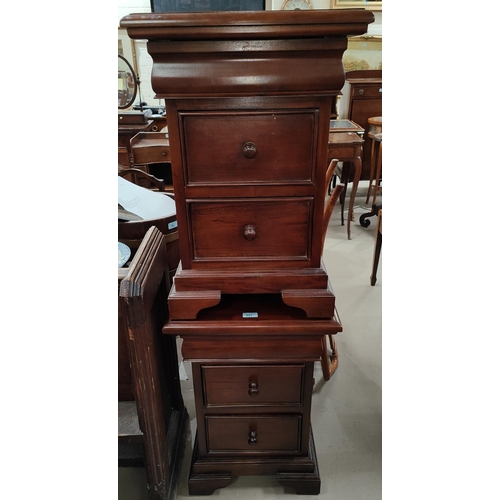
(248, 139)
(333, 196)
(125, 391)
(329, 355)
(345, 143)
(152, 151)
(131, 440)
(139, 176)
(129, 124)
(132, 232)
(378, 248)
(365, 101)
(127, 83)
(153, 429)
(375, 136)
(377, 176)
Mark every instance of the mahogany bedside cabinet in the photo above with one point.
(252, 361)
(248, 97)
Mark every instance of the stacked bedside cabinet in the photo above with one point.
(248, 98)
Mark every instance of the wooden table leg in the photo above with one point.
(357, 175)
(378, 173)
(344, 179)
(378, 247)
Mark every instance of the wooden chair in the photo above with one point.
(153, 429)
(329, 362)
(142, 178)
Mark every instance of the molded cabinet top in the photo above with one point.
(245, 25)
(247, 53)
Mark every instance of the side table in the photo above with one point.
(125, 133)
(345, 143)
(153, 149)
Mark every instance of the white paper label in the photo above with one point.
(250, 315)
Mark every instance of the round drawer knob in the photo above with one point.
(252, 437)
(164, 153)
(250, 232)
(249, 150)
(361, 91)
(253, 389)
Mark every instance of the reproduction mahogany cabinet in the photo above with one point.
(248, 97)
(365, 101)
(252, 362)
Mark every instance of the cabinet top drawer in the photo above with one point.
(251, 385)
(251, 147)
(358, 91)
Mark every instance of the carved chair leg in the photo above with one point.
(329, 362)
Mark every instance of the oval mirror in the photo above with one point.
(127, 83)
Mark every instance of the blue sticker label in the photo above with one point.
(173, 224)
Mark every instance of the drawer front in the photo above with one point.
(253, 385)
(251, 147)
(247, 434)
(123, 157)
(342, 153)
(367, 91)
(254, 229)
(151, 154)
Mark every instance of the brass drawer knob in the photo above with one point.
(252, 437)
(250, 232)
(253, 389)
(249, 150)
(361, 91)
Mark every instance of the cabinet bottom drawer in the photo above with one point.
(247, 434)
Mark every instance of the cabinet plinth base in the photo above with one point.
(210, 473)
